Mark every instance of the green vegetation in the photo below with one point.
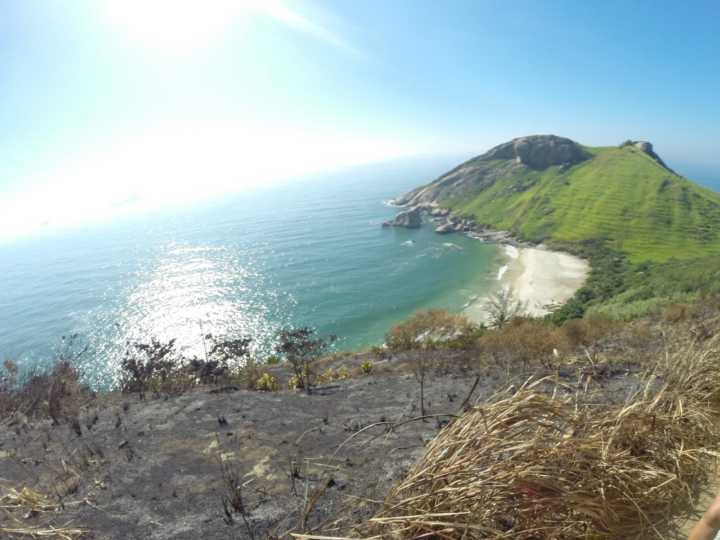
(300, 347)
(651, 235)
(267, 383)
(366, 367)
(621, 195)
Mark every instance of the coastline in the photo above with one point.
(540, 278)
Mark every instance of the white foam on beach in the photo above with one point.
(512, 252)
(501, 272)
(391, 203)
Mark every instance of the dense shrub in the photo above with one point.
(586, 332)
(610, 273)
(524, 340)
(427, 330)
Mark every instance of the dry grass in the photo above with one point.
(542, 462)
(28, 503)
(524, 342)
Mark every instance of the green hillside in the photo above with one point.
(622, 194)
(651, 235)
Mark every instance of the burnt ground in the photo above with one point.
(151, 469)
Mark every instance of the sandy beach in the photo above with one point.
(538, 277)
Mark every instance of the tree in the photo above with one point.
(502, 307)
(300, 346)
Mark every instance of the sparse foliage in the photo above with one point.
(233, 499)
(267, 383)
(226, 350)
(273, 360)
(300, 346)
(147, 365)
(502, 307)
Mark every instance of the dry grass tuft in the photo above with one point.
(53, 533)
(543, 462)
(29, 503)
(27, 499)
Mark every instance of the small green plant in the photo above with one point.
(273, 360)
(267, 383)
(326, 376)
(366, 367)
(331, 374)
(294, 383)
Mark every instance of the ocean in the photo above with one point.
(309, 253)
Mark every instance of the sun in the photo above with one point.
(175, 26)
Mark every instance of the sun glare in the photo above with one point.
(173, 165)
(175, 26)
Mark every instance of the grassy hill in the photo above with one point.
(622, 207)
(620, 194)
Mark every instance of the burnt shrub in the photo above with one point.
(148, 366)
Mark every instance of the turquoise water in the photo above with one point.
(309, 254)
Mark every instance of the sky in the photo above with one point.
(111, 106)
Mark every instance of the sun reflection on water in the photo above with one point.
(187, 292)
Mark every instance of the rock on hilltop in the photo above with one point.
(532, 153)
(538, 151)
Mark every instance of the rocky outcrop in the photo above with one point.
(410, 219)
(539, 151)
(647, 148)
(445, 222)
(511, 159)
(446, 228)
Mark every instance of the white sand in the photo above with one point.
(538, 277)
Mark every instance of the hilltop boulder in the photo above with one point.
(539, 151)
(513, 158)
(647, 148)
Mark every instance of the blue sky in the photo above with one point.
(108, 101)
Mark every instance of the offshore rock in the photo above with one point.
(410, 219)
